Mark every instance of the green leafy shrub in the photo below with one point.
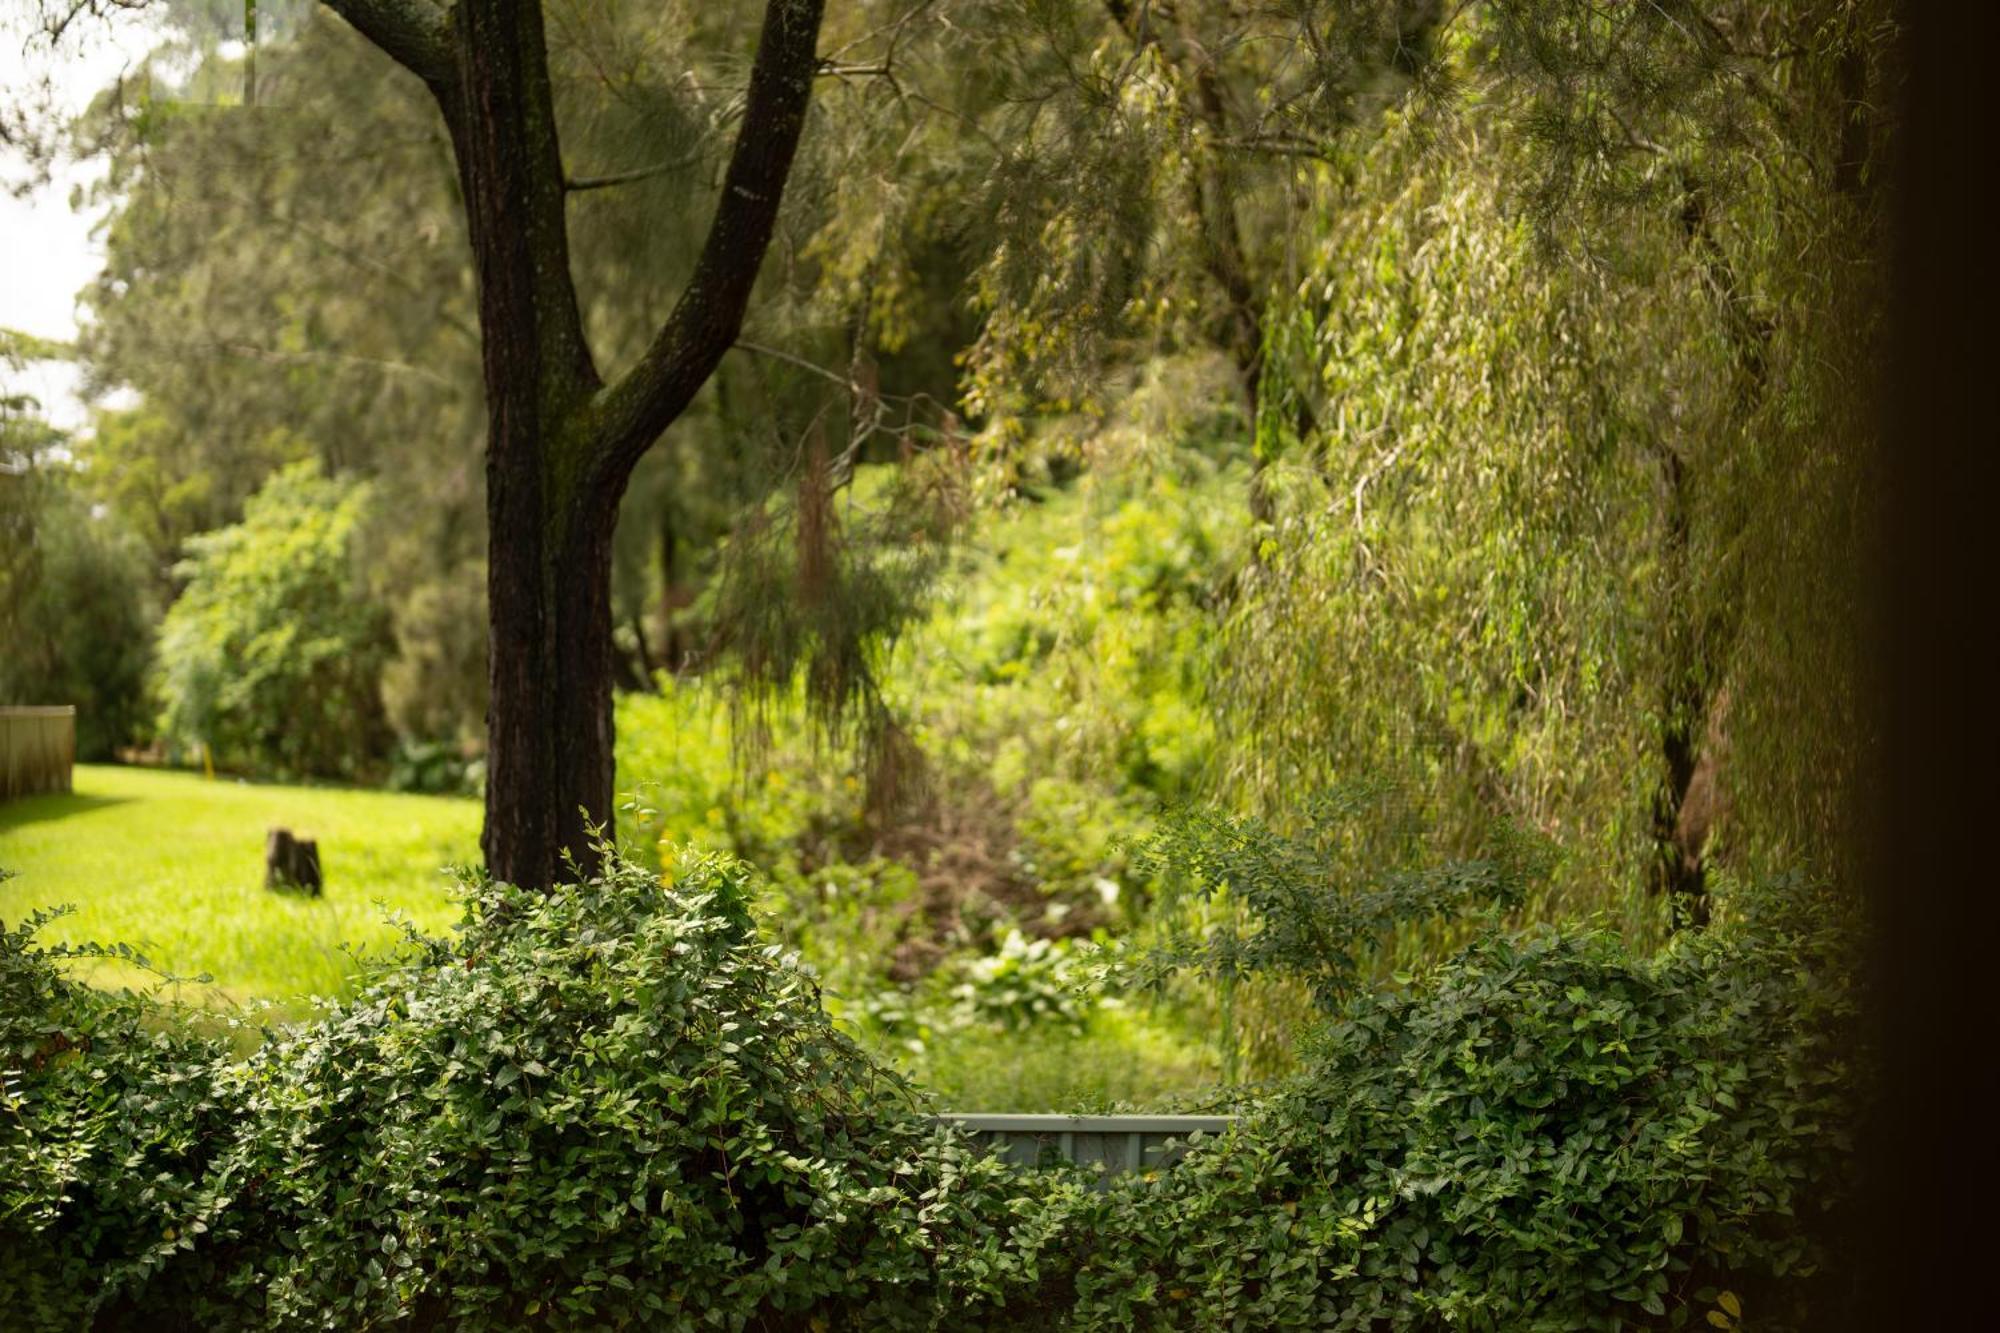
(607, 1106)
(108, 1121)
(273, 656)
(435, 768)
(76, 610)
(1069, 642)
(1030, 1027)
(1542, 1133)
(689, 782)
(1320, 905)
(612, 1106)
(1023, 983)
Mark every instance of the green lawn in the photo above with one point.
(173, 864)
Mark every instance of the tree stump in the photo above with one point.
(291, 863)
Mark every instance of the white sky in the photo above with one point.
(46, 251)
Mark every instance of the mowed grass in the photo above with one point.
(173, 865)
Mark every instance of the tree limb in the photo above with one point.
(627, 416)
(412, 32)
(581, 184)
(846, 382)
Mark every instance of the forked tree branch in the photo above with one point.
(627, 416)
(414, 33)
(621, 421)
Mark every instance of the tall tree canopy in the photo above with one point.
(1044, 195)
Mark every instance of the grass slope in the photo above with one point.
(172, 864)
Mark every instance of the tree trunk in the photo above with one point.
(1697, 639)
(291, 862)
(548, 583)
(560, 446)
(1678, 871)
(549, 733)
(649, 669)
(674, 596)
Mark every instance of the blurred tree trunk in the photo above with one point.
(1929, 1161)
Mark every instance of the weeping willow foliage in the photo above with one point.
(1561, 309)
(1573, 540)
(1399, 623)
(1114, 179)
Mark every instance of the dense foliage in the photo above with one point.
(77, 610)
(614, 1105)
(1331, 525)
(1574, 519)
(1316, 905)
(1542, 1132)
(272, 656)
(1527, 316)
(608, 1103)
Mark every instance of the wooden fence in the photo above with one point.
(37, 750)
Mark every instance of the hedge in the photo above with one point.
(613, 1106)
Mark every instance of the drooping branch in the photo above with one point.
(1211, 190)
(413, 33)
(629, 415)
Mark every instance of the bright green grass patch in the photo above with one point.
(1119, 1060)
(173, 865)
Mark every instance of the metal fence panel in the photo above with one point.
(1117, 1143)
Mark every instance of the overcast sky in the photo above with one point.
(46, 251)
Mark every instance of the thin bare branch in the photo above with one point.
(779, 354)
(627, 416)
(581, 184)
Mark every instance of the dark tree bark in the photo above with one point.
(1698, 635)
(675, 596)
(643, 653)
(1678, 869)
(561, 444)
(1698, 639)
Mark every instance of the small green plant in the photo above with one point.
(1241, 898)
(106, 1103)
(439, 768)
(1025, 982)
